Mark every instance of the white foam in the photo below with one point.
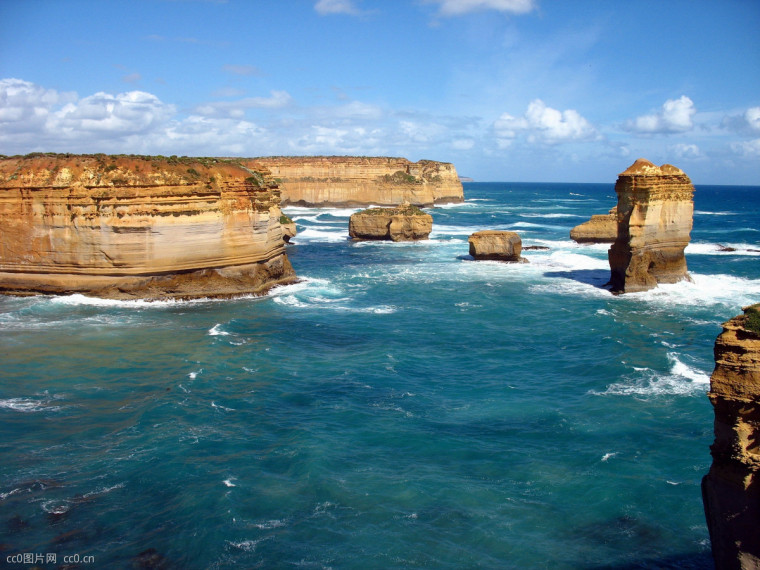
(703, 290)
(31, 405)
(549, 216)
(216, 330)
(607, 456)
(681, 380)
(229, 483)
(79, 299)
(218, 407)
(720, 249)
(321, 235)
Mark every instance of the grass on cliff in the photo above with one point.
(752, 319)
(404, 209)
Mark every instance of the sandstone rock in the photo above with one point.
(601, 228)
(496, 245)
(138, 227)
(405, 223)
(362, 181)
(731, 490)
(654, 214)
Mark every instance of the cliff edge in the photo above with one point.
(731, 489)
(362, 181)
(138, 227)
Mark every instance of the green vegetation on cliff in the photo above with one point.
(752, 319)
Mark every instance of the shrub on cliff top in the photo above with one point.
(752, 318)
(405, 209)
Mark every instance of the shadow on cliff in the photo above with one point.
(690, 561)
(596, 277)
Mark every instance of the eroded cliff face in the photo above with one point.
(362, 181)
(404, 223)
(138, 227)
(601, 228)
(654, 215)
(731, 490)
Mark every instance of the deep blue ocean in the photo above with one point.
(403, 406)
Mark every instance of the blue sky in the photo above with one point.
(521, 90)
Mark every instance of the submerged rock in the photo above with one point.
(496, 245)
(601, 228)
(404, 223)
(731, 490)
(654, 215)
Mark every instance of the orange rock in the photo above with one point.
(138, 227)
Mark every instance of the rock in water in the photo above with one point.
(496, 245)
(654, 214)
(601, 228)
(405, 223)
(131, 227)
(731, 490)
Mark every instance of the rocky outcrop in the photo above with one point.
(601, 228)
(362, 181)
(731, 490)
(405, 223)
(654, 215)
(496, 245)
(138, 227)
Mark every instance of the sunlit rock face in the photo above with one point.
(496, 245)
(362, 181)
(138, 227)
(654, 216)
(601, 228)
(731, 490)
(403, 223)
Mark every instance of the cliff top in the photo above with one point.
(752, 319)
(404, 210)
(343, 159)
(97, 170)
(644, 167)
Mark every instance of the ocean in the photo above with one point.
(402, 406)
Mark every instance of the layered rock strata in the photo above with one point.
(405, 223)
(601, 228)
(496, 245)
(362, 181)
(138, 227)
(654, 219)
(731, 489)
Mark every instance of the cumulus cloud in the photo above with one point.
(324, 7)
(683, 150)
(544, 124)
(746, 123)
(748, 149)
(459, 7)
(276, 100)
(674, 117)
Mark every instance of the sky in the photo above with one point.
(507, 90)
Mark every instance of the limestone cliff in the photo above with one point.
(731, 490)
(362, 181)
(404, 223)
(138, 227)
(654, 216)
(601, 228)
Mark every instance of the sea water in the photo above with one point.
(402, 406)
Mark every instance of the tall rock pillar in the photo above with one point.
(654, 217)
(731, 490)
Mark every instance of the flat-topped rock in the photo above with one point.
(601, 228)
(496, 245)
(404, 223)
(654, 215)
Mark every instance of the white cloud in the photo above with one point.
(674, 117)
(276, 100)
(544, 124)
(459, 7)
(683, 150)
(324, 7)
(748, 149)
(746, 123)
(241, 69)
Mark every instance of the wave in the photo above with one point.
(555, 215)
(722, 249)
(708, 213)
(703, 290)
(30, 405)
(323, 235)
(321, 294)
(680, 380)
(216, 330)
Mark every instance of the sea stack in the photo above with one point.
(601, 228)
(731, 490)
(130, 227)
(654, 218)
(404, 223)
(496, 245)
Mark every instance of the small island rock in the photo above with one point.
(496, 245)
(403, 223)
(601, 228)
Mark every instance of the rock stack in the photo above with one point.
(654, 216)
(601, 228)
(731, 490)
(496, 245)
(404, 223)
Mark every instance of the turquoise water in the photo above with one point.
(401, 407)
